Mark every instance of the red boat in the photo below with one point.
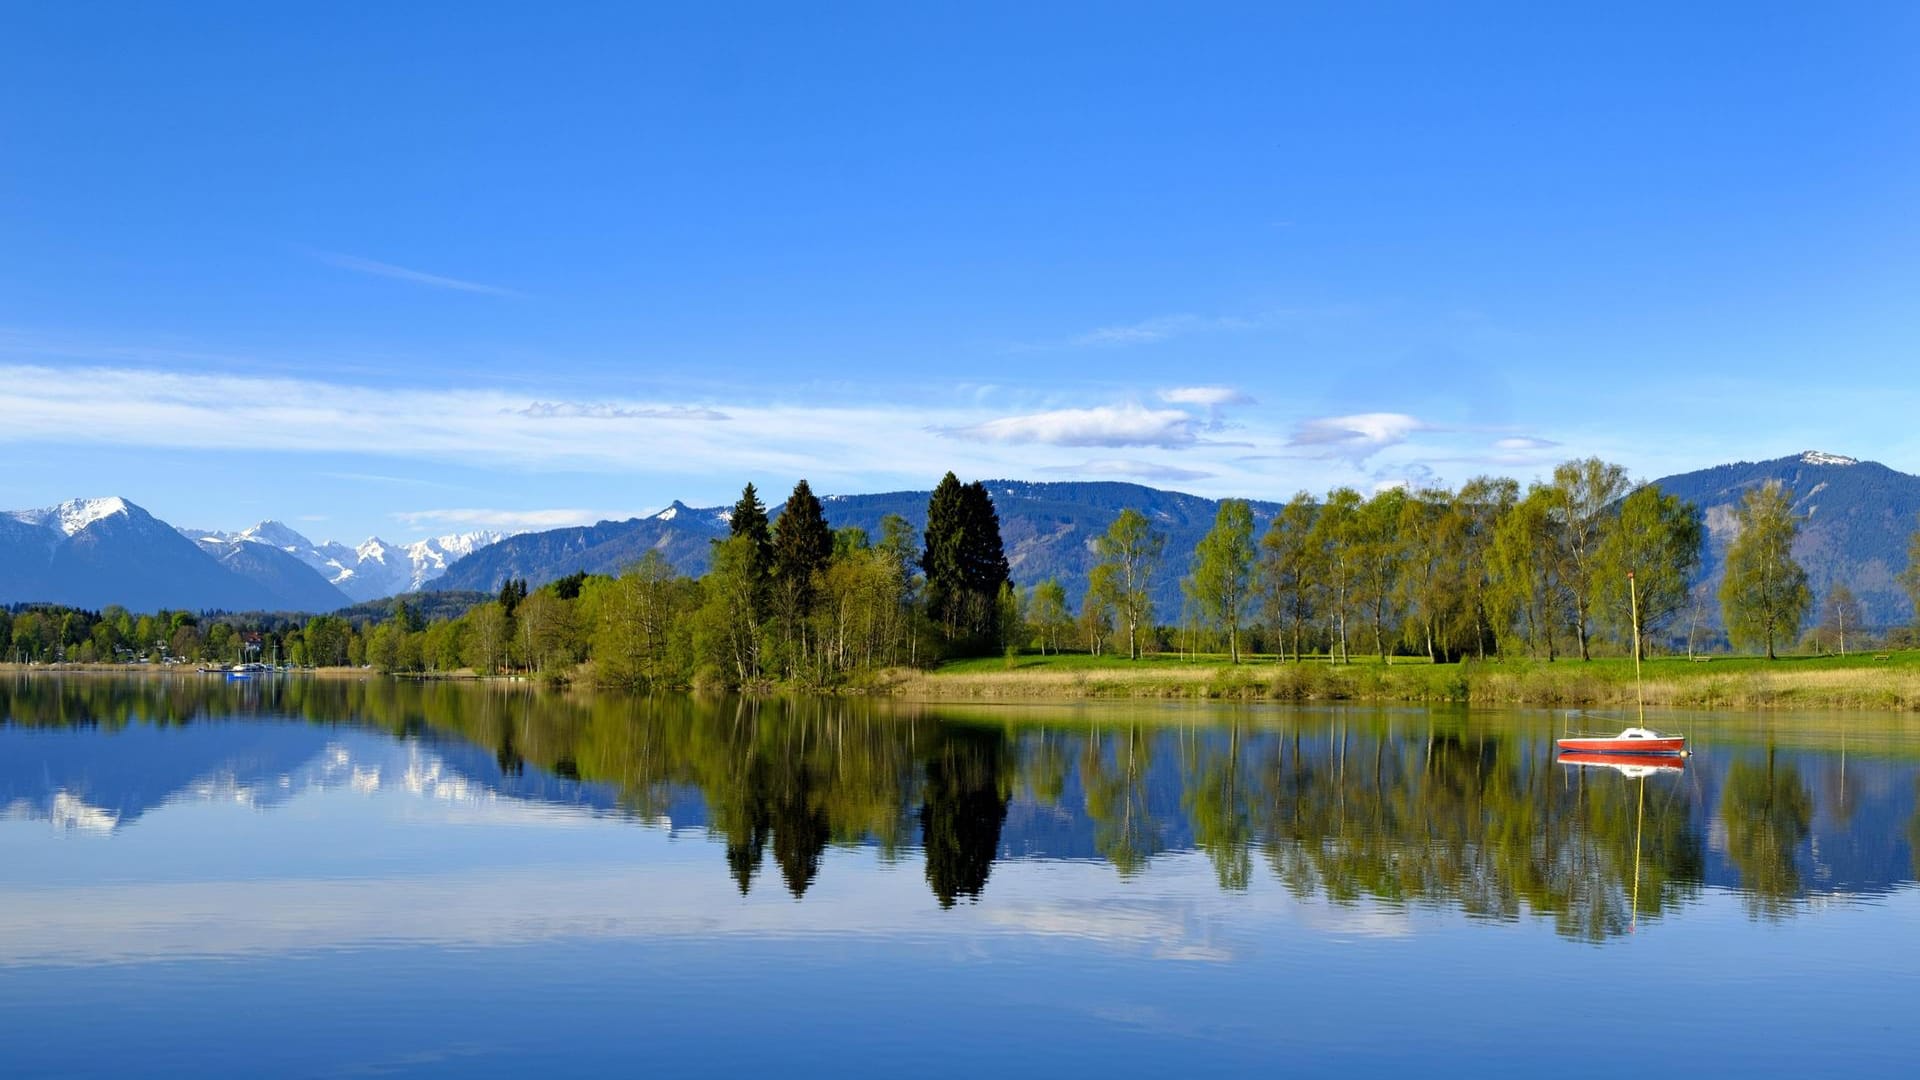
(1634, 740)
(1630, 764)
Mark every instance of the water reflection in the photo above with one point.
(1384, 808)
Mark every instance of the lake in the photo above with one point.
(342, 878)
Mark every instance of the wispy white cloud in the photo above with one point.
(549, 410)
(1523, 442)
(506, 520)
(1358, 436)
(1212, 397)
(400, 273)
(438, 442)
(1160, 328)
(1138, 470)
(1106, 425)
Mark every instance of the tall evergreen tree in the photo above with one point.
(802, 549)
(965, 562)
(940, 560)
(1765, 597)
(755, 563)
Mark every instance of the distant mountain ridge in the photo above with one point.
(370, 571)
(1856, 517)
(1048, 529)
(90, 553)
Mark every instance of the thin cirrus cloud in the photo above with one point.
(576, 410)
(1211, 397)
(1358, 436)
(401, 273)
(1518, 443)
(1161, 328)
(506, 520)
(1105, 425)
(1137, 470)
(123, 406)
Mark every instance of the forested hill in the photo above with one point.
(1855, 516)
(1048, 529)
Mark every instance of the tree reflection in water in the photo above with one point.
(1343, 806)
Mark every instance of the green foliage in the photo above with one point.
(1655, 541)
(1048, 615)
(1764, 595)
(1910, 577)
(1132, 549)
(1583, 494)
(965, 564)
(1289, 571)
(1223, 571)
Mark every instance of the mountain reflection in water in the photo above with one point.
(1450, 810)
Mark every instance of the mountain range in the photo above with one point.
(90, 553)
(1048, 530)
(1856, 518)
(372, 570)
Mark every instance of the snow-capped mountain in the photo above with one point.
(374, 569)
(95, 552)
(74, 515)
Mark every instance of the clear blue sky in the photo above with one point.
(405, 269)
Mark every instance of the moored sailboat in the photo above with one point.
(1640, 741)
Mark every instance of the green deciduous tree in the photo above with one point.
(1910, 577)
(1289, 566)
(1133, 548)
(1583, 494)
(1656, 538)
(1379, 555)
(1764, 597)
(1529, 596)
(1336, 555)
(1048, 614)
(1223, 570)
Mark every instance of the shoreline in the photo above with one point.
(1862, 682)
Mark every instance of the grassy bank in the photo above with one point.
(1855, 682)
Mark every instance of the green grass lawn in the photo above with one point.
(1856, 681)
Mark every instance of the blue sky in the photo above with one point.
(417, 268)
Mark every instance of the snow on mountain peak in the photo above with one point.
(1820, 457)
(75, 514)
(276, 534)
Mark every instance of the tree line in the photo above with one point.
(1488, 569)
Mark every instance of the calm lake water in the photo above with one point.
(297, 877)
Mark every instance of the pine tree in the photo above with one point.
(940, 560)
(983, 557)
(965, 562)
(802, 550)
(749, 519)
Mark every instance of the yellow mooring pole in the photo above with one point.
(1640, 695)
